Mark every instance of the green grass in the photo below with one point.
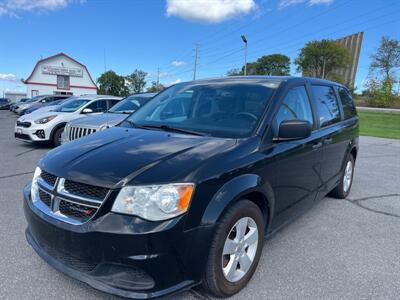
(380, 124)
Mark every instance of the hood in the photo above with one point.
(109, 119)
(118, 156)
(38, 115)
(48, 108)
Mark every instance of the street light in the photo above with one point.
(245, 54)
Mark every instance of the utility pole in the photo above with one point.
(245, 54)
(196, 56)
(158, 76)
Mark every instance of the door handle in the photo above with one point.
(328, 140)
(317, 145)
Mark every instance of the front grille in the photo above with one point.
(74, 133)
(74, 202)
(22, 136)
(24, 124)
(78, 212)
(49, 178)
(85, 190)
(45, 197)
(71, 261)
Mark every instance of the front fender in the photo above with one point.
(233, 191)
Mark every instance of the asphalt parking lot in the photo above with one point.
(348, 249)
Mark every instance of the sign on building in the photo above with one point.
(59, 70)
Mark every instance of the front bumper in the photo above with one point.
(34, 133)
(122, 255)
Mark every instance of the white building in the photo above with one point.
(59, 74)
(14, 96)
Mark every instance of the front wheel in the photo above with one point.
(342, 190)
(56, 140)
(235, 250)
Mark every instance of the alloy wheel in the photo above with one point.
(240, 249)
(348, 176)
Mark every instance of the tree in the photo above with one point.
(155, 87)
(382, 73)
(136, 81)
(322, 58)
(110, 83)
(387, 58)
(234, 72)
(274, 65)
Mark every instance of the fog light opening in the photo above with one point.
(40, 134)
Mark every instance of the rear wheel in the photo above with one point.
(342, 190)
(56, 140)
(235, 250)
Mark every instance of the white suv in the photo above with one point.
(48, 126)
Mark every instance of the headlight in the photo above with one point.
(45, 119)
(154, 202)
(35, 186)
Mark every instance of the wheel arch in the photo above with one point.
(58, 126)
(247, 186)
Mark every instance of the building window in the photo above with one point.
(63, 82)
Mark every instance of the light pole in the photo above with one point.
(245, 54)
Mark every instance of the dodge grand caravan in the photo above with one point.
(184, 191)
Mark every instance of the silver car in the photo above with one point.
(48, 126)
(78, 128)
(37, 101)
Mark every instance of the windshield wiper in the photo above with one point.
(174, 129)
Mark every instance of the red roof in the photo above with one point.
(59, 54)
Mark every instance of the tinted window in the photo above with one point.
(130, 104)
(47, 99)
(349, 108)
(224, 109)
(112, 102)
(295, 106)
(327, 106)
(98, 106)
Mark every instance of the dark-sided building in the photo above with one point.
(353, 43)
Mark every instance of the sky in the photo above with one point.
(152, 35)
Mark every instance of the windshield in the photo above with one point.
(129, 104)
(34, 99)
(57, 102)
(229, 109)
(72, 105)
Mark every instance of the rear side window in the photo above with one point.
(112, 102)
(295, 106)
(327, 105)
(98, 106)
(349, 109)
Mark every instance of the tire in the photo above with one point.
(215, 281)
(342, 190)
(56, 138)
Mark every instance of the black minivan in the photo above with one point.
(184, 191)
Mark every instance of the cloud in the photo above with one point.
(12, 7)
(316, 2)
(212, 11)
(8, 77)
(178, 63)
(287, 3)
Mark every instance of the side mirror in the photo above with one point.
(87, 111)
(294, 130)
